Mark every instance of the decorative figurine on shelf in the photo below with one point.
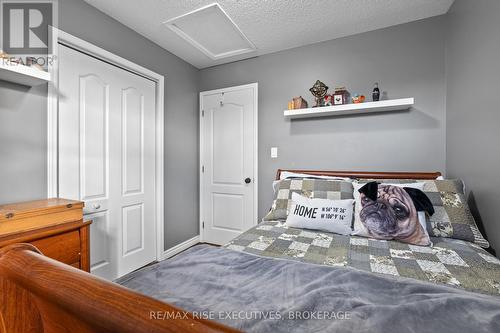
(297, 103)
(376, 93)
(341, 96)
(356, 99)
(319, 91)
(328, 100)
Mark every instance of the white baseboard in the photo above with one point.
(180, 247)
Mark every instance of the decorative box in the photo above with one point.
(341, 96)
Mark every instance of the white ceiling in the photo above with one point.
(271, 25)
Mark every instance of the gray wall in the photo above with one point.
(23, 121)
(407, 60)
(23, 147)
(473, 116)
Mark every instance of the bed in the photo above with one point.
(281, 279)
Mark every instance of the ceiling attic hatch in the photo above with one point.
(211, 31)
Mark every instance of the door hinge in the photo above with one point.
(203, 113)
(203, 225)
(202, 168)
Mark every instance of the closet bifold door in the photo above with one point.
(107, 158)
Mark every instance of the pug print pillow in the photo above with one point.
(392, 212)
(321, 214)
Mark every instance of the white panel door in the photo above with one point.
(229, 155)
(107, 159)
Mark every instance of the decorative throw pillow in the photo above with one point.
(295, 175)
(452, 217)
(321, 214)
(311, 188)
(390, 211)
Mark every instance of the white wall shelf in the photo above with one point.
(347, 109)
(24, 75)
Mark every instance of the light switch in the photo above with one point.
(274, 152)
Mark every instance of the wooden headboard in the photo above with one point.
(366, 174)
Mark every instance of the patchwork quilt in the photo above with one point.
(450, 262)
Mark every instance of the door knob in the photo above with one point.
(97, 206)
(248, 180)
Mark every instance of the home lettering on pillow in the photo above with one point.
(305, 211)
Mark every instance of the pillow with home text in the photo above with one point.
(321, 214)
(312, 188)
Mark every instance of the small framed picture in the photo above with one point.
(338, 99)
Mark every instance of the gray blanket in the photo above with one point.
(260, 294)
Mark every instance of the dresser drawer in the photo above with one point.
(63, 247)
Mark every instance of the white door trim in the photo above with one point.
(59, 36)
(255, 87)
(180, 247)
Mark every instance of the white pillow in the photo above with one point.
(321, 214)
(361, 230)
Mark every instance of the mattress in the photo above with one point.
(448, 261)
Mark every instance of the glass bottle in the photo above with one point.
(376, 93)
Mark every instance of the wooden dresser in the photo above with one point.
(54, 226)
